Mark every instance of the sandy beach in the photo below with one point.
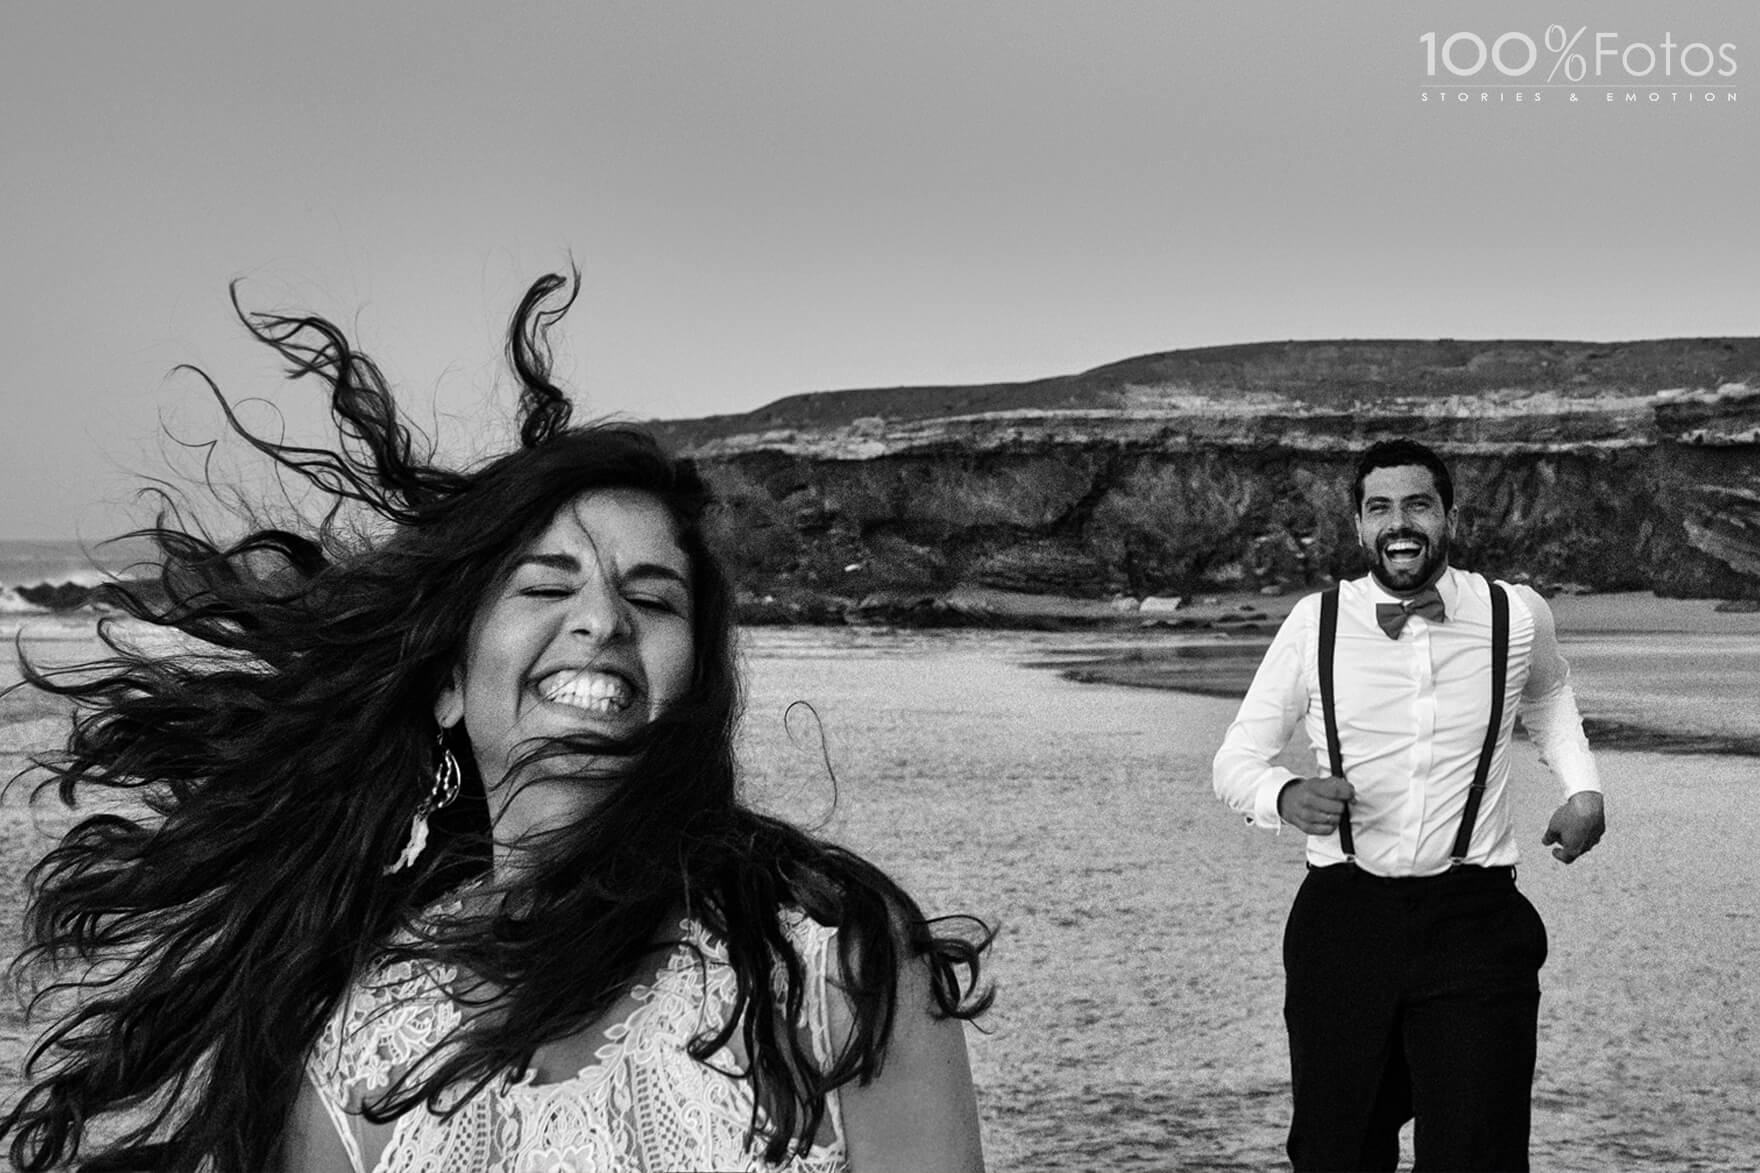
(1138, 1024)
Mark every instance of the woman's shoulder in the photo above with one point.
(808, 938)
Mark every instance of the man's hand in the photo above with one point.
(1576, 826)
(1313, 805)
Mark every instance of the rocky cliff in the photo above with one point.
(1614, 466)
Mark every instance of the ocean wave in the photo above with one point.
(13, 603)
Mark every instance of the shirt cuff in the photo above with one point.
(1265, 803)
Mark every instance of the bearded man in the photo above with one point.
(1411, 960)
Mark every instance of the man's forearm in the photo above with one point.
(1556, 726)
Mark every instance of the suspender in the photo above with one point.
(1499, 672)
(1329, 638)
(1328, 708)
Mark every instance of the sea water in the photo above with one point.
(34, 563)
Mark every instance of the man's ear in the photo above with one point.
(1454, 516)
(449, 705)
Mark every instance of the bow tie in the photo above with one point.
(1392, 616)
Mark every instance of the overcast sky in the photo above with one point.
(771, 198)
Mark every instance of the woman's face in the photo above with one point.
(590, 632)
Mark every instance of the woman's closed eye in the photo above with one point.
(656, 589)
(663, 598)
(546, 590)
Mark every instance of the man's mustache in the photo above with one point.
(1402, 535)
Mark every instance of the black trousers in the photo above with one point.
(1411, 998)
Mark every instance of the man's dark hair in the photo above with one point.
(1403, 453)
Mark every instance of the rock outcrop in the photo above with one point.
(1618, 466)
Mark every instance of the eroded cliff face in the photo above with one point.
(1620, 466)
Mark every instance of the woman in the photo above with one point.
(444, 865)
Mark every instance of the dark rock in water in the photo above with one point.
(1579, 467)
(770, 611)
(1739, 606)
(56, 596)
(906, 612)
(74, 596)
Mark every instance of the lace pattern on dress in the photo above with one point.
(643, 1104)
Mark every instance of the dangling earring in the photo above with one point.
(438, 798)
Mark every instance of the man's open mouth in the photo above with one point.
(1402, 549)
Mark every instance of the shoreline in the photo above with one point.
(978, 607)
(1577, 613)
(1224, 668)
(1581, 612)
(1241, 612)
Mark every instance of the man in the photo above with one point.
(1411, 961)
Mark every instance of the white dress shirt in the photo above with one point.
(1412, 714)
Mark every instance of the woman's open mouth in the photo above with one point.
(589, 689)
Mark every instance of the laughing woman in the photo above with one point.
(435, 857)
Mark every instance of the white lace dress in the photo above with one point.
(642, 1105)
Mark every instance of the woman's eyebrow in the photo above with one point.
(569, 564)
(565, 562)
(658, 570)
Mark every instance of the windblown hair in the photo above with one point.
(1403, 453)
(205, 928)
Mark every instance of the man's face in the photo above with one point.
(1403, 527)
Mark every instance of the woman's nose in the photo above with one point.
(599, 612)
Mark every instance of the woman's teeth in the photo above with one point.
(596, 692)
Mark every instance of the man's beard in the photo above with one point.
(1408, 580)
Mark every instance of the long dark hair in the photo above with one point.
(208, 928)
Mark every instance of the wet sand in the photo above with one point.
(1140, 1024)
